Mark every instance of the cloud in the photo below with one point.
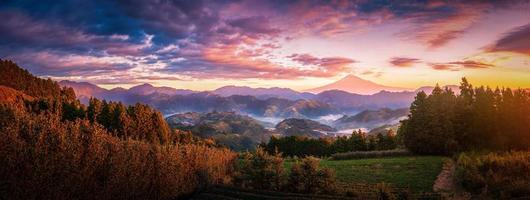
(152, 40)
(403, 61)
(254, 25)
(459, 65)
(471, 64)
(445, 67)
(308, 59)
(21, 33)
(435, 25)
(372, 73)
(517, 40)
(47, 63)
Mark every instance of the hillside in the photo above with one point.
(303, 127)
(10, 96)
(53, 138)
(372, 118)
(236, 131)
(11, 75)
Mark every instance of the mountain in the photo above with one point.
(263, 93)
(370, 119)
(272, 107)
(147, 89)
(143, 93)
(278, 103)
(350, 103)
(354, 84)
(305, 127)
(85, 90)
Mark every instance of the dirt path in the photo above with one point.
(446, 185)
(445, 181)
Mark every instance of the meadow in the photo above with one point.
(417, 173)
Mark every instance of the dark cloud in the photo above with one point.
(516, 40)
(205, 38)
(403, 61)
(254, 25)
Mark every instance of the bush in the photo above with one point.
(261, 170)
(307, 177)
(498, 175)
(44, 157)
(370, 154)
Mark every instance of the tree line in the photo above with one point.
(302, 146)
(479, 118)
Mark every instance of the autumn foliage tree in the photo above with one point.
(54, 147)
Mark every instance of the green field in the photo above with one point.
(415, 172)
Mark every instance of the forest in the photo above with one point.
(53, 147)
(479, 118)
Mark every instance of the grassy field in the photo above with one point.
(416, 172)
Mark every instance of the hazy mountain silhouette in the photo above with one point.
(354, 84)
(263, 93)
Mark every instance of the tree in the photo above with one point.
(308, 177)
(261, 170)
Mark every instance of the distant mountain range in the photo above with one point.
(263, 93)
(259, 102)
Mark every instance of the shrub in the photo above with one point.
(44, 157)
(384, 192)
(260, 170)
(370, 154)
(307, 177)
(499, 175)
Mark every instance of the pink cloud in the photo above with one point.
(403, 61)
(437, 29)
(458, 65)
(472, 64)
(517, 40)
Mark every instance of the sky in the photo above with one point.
(203, 45)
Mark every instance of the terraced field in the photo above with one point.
(417, 173)
(410, 177)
